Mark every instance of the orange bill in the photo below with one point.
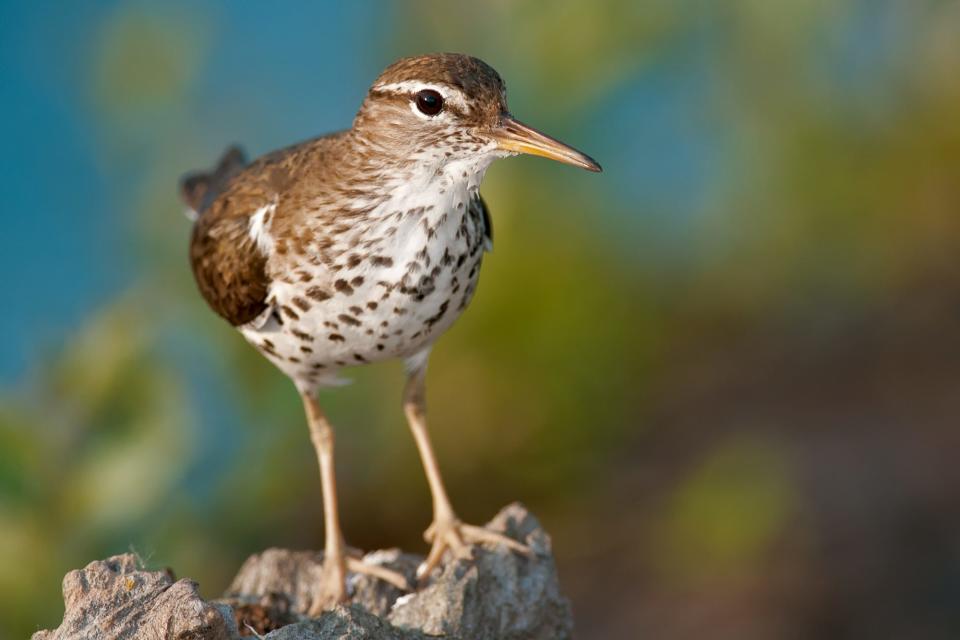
(516, 137)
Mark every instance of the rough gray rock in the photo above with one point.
(496, 593)
(291, 575)
(491, 594)
(113, 599)
(344, 623)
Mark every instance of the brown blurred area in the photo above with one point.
(857, 428)
(725, 373)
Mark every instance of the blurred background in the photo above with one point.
(744, 425)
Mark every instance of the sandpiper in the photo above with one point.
(362, 246)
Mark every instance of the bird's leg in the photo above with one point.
(332, 589)
(446, 531)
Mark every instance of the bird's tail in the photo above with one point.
(198, 189)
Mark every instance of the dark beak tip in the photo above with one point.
(591, 164)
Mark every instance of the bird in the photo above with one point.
(362, 246)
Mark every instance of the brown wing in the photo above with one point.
(229, 268)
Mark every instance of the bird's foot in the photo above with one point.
(331, 589)
(356, 564)
(449, 533)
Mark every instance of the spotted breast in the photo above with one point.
(339, 279)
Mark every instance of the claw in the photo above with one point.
(332, 589)
(455, 536)
(485, 535)
(387, 575)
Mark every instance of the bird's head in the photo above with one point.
(452, 108)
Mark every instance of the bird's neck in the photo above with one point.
(402, 195)
(411, 169)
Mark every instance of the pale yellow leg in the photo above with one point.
(333, 587)
(446, 531)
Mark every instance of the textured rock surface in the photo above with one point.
(112, 598)
(496, 593)
(489, 593)
(291, 575)
(345, 623)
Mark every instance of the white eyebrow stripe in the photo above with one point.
(450, 94)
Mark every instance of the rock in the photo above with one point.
(113, 599)
(496, 593)
(493, 593)
(344, 623)
(293, 575)
(261, 615)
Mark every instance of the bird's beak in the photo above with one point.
(516, 137)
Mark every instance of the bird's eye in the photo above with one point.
(429, 102)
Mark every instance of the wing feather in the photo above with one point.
(228, 265)
(487, 223)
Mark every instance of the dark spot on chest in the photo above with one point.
(343, 286)
(348, 320)
(306, 337)
(317, 294)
